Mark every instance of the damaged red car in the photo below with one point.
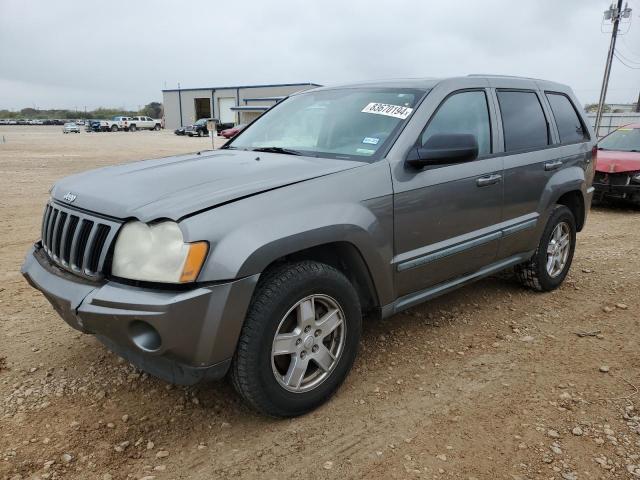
(618, 165)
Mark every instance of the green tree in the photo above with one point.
(153, 110)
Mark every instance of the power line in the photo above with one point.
(626, 65)
(625, 58)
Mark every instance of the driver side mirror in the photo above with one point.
(444, 149)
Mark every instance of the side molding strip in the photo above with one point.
(521, 226)
(460, 247)
(445, 252)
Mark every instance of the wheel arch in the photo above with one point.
(567, 187)
(344, 257)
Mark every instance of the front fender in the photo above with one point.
(353, 206)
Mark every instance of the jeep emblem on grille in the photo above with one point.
(69, 197)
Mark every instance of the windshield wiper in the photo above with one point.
(286, 151)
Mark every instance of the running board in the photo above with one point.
(415, 298)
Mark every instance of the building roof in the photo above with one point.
(263, 99)
(232, 87)
(250, 108)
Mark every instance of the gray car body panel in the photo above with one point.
(355, 207)
(175, 187)
(419, 233)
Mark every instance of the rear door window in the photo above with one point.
(569, 125)
(523, 121)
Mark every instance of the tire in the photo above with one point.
(132, 128)
(114, 128)
(157, 128)
(536, 273)
(199, 133)
(260, 377)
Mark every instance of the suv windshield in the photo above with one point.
(341, 123)
(623, 139)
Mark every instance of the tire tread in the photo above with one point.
(244, 380)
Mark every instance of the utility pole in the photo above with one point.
(614, 14)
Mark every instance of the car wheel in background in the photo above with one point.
(548, 267)
(299, 339)
(156, 128)
(114, 128)
(132, 128)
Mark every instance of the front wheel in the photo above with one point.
(549, 266)
(157, 128)
(299, 339)
(114, 128)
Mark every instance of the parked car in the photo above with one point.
(144, 123)
(198, 129)
(223, 126)
(71, 127)
(99, 126)
(232, 132)
(261, 259)
(618, 166)
(118, 123)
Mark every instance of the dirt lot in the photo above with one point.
(488, 382)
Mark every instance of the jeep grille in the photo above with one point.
(77, 241)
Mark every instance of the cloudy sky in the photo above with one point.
(122, 53)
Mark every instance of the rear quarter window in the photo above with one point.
(570, 127)
(523, 121)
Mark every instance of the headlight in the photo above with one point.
(157, 253)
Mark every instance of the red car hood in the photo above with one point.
(611, 161)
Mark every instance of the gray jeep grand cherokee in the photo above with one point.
(260, 259)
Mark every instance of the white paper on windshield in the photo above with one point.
(396, 111)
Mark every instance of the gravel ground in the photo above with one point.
(492, 381)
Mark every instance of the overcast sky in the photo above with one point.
(122, 53)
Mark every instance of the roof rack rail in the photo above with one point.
(500, 76)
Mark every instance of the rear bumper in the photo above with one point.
(181, 336)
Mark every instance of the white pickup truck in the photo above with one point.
(144, 123)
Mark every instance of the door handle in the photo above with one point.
(553, 165)
(490, 180)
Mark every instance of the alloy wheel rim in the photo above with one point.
(558, 249)
(308, 343)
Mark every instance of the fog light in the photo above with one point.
(145, 336)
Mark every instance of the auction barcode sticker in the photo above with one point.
(396, 111)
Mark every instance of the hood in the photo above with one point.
(612, 161)
(173, 187)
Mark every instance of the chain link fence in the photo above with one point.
(611, 121)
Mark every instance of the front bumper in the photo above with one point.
(181, 336)
(629, 191)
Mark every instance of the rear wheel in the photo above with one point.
(549, 266)
(299, 339)
(114, 128)
(132, 128)
(199, 133)
(157, 127)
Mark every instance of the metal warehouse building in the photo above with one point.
(238, 104)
